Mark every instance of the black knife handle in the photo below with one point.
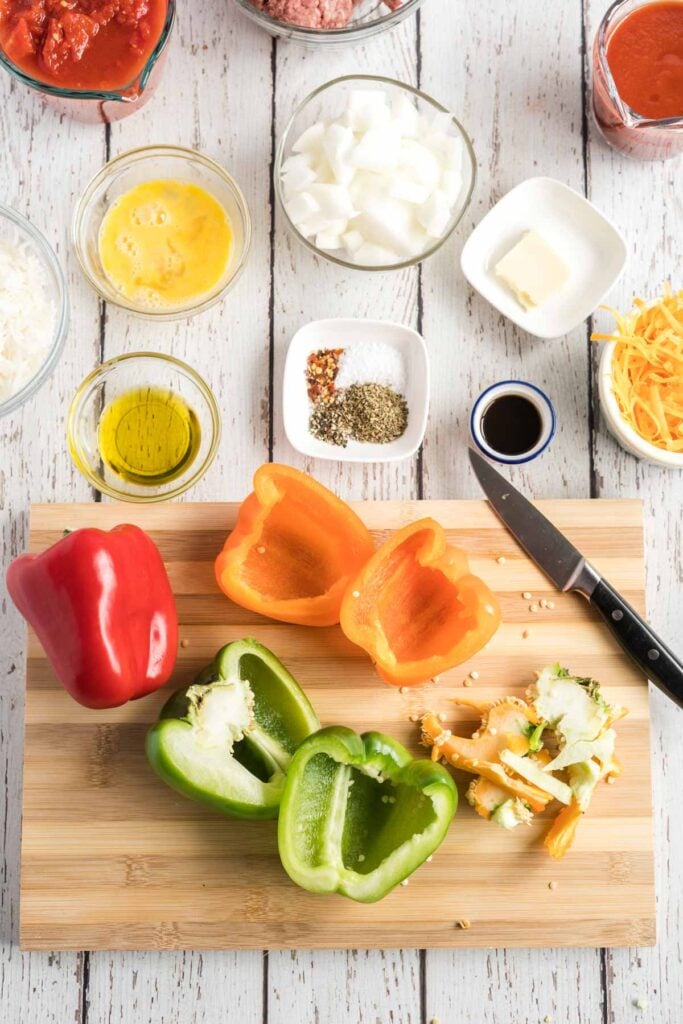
(639, 641)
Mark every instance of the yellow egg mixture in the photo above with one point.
(165, 243)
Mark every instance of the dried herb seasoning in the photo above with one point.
(369, 413)
(327, 421)
(375, 413)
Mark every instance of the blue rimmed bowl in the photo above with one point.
(523, 389)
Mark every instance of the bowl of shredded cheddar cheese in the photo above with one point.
(641, 379)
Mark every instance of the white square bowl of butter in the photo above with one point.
(545, 242)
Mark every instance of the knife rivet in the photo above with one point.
(617, 615)
(653, 655)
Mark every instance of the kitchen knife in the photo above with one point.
(566, 567)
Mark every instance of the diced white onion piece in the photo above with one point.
(310, 139)
(405, 113)
(418, 163)
(390, 223)
(298, 179)
(334, 201)
(296, 162)
(451, 185)
(366, 187)
(366, 109)
(352, 240)
(410, 191)
(323, 171)
(378, 150)
(301, 206)
(328, 240)
(447, 146)
(315, 225)
(338, 143)
(435, 214)
(370, 255)
(336, 227)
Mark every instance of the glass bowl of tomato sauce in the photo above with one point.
(94, 60)
(638, 78)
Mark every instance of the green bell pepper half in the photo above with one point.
(227, 740)
(358, 814)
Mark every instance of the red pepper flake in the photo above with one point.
(321, 371)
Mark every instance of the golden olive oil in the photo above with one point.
(148, 436)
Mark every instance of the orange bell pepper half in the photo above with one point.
(294, 549)
(416, 608)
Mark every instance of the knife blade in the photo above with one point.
(567, 569)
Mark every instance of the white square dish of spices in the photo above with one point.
(356, 390)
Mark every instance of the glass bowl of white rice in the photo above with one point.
(34, 310)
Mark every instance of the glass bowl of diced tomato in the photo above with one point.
(95, 60)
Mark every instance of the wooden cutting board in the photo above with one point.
(112, 859)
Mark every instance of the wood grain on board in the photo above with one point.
(112, 859)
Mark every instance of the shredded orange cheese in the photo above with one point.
(647, 369)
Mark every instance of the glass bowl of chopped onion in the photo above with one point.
(34, 310)
(330, 23)
(373, 174)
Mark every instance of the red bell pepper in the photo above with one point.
(102, 606)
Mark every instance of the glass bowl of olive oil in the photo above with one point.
(143, 427)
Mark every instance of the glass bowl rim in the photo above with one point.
(608, 23)
(83, 391)
(141, 153)
(49, 256)
(103, 95)
(346, 33)
(414, 91)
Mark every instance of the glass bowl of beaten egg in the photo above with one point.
(162, 231)
(143, 427)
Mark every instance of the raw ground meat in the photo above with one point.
(314, 13)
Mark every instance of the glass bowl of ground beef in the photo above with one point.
(328, 22)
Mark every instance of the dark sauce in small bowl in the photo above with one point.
(511, 425)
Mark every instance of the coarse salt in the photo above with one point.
(27, 317)
(371, 362)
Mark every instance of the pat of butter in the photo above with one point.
(532, 270)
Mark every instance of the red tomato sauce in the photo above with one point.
(81, 44)
(645, 56)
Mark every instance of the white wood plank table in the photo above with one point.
(515, 74)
